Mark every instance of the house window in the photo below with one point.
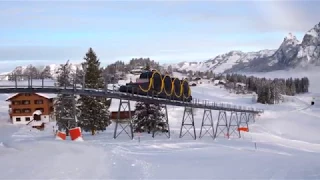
(18, 119)
(38, 101)
(26, 110)
(16, 102)
(16, 110)
(27, 118)
(25, 102)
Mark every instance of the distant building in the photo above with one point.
(138, 70)
(23, 105)
(315, 101)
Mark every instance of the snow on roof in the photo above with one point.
(48, 96)
(37, 112)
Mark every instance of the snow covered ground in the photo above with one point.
(283, 143)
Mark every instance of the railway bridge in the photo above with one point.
(239, 116)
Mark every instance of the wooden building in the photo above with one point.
(23, 105)
(123, 115)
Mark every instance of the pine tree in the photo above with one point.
(93, 111)
(147, 67)
(305, 84)
(292, 87)
(147, 116)
(64, 107)
(46, 73)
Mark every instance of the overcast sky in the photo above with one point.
(47, 32)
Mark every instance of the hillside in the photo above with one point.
(221, 62)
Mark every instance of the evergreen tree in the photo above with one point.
(93, 111)
(46, 73)
(64, 107)
(304, 85)
(32, 71)
(147, 116)
(148, 67)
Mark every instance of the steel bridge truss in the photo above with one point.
(188, 123)
(207, 121)
(124, 106)
(231, 127)
(164, 122)
(127, 125)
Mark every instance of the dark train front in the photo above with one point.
(162, 86)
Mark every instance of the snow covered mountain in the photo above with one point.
(49, 69)
(222, 62)
(309, 49)
(291, 54)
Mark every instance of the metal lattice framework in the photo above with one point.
(123, 106)
(188, 123)
(222, 124)
(207, 121)
(243, 120)
(240, 116)
(233, 125)
(164, 120)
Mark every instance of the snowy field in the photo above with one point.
(283, 143)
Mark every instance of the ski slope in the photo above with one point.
(283, 143)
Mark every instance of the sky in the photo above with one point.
(50, 32)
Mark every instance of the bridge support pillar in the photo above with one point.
(233, 125)
(222, 124)
(124, 105)
(207, 121)
(164, 122)
(243, 120)
(251, 117)
(188, 121)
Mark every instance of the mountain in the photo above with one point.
(48, 71)
(221, 62)
(290, 54)
(309, 49)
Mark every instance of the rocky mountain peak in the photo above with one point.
(290, 39)
(312, 37)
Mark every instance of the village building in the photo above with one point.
(23, 106)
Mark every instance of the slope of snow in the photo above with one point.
(283, 143)
(222, 62)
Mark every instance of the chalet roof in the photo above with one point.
(47, 96)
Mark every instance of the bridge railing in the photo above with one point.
(23, 81)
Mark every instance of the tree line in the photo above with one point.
(36, 73)
(270, 91)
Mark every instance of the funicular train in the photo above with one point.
(152, 83)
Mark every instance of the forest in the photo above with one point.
(271, 91)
